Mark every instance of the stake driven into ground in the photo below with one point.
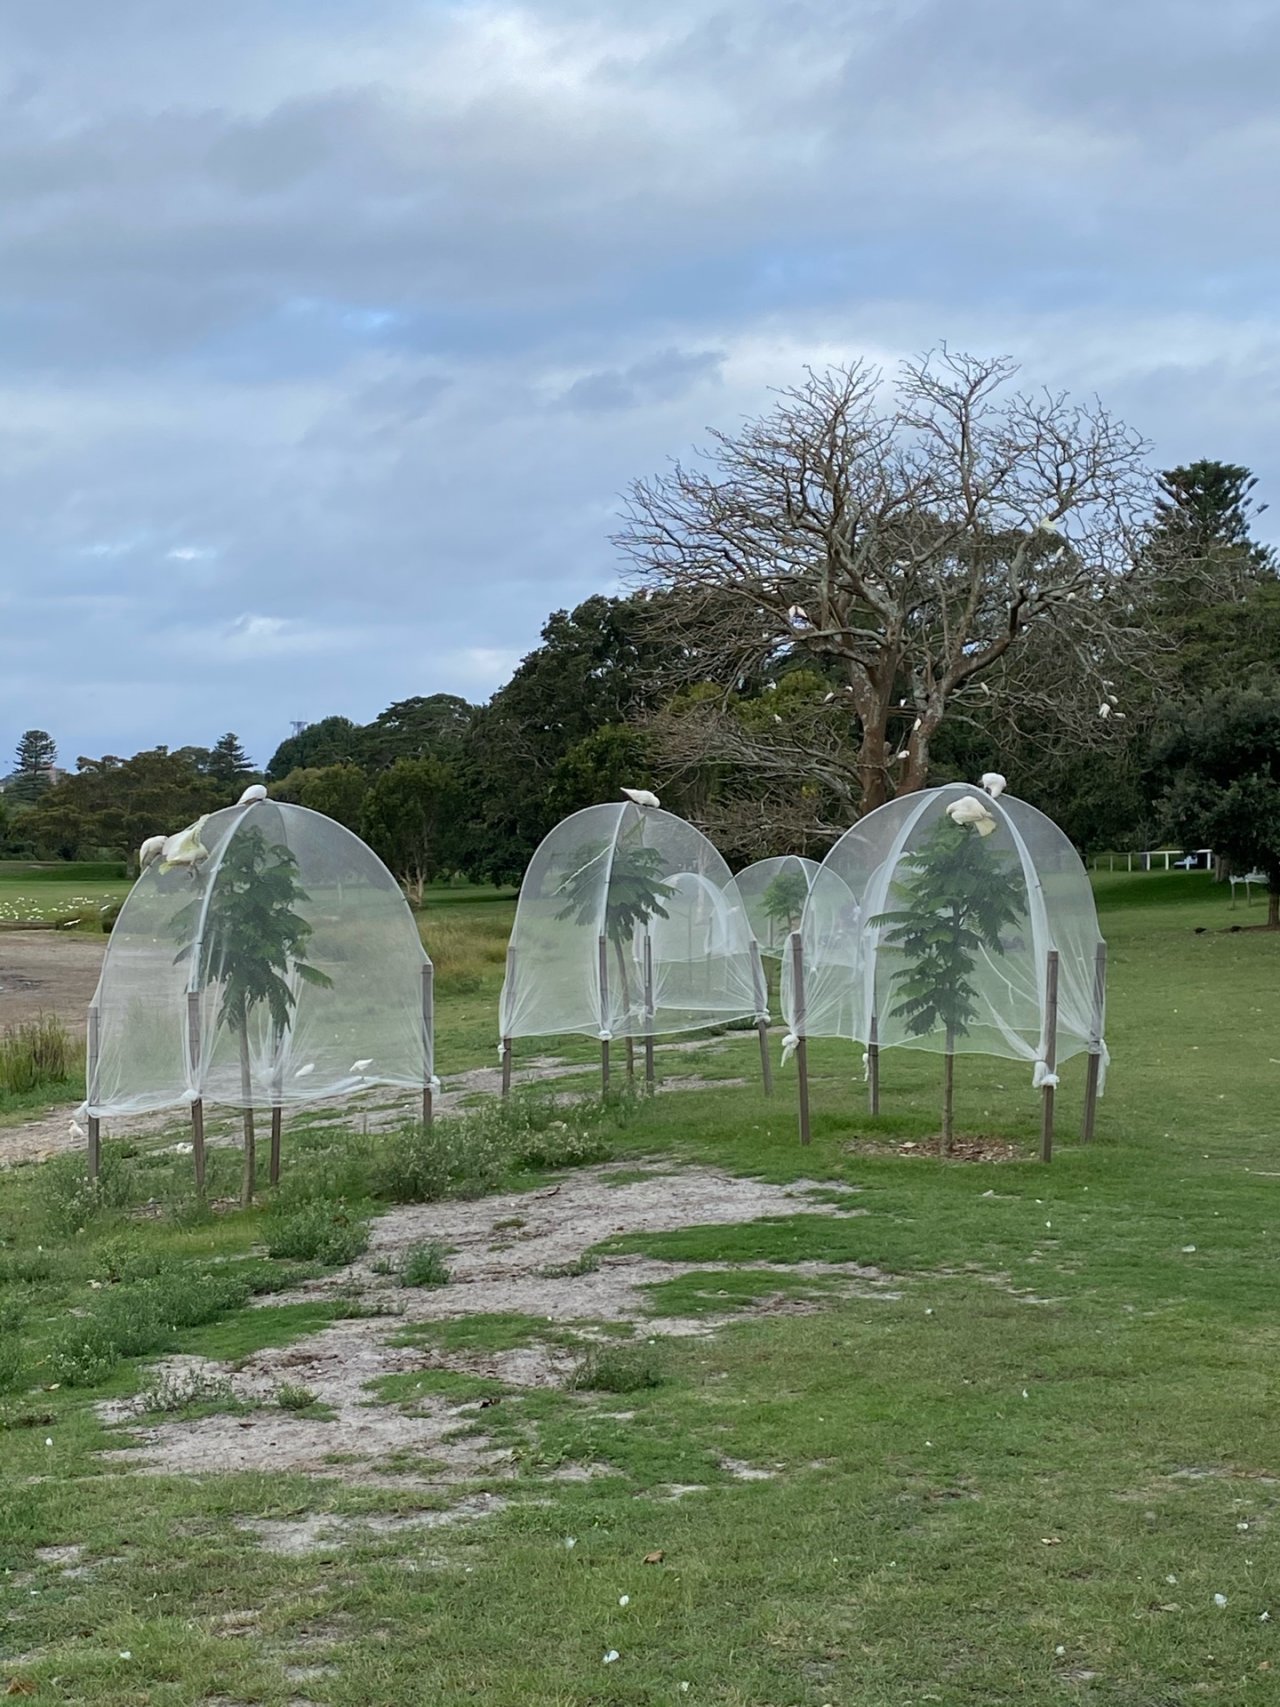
(566, 1383)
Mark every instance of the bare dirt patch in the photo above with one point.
(962, 1150)
(496, 1270)
(50, 972)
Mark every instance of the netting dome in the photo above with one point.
(278, 963)
(938, 880)
(774, 892)
(628, 925)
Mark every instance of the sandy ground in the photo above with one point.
(495, 1267)
(52, 972)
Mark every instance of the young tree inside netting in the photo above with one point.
(954, 897)
(903, 542)
(254, 944)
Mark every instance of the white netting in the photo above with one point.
(350, 984)
(886, 905)
(774, 892)
(628, 925)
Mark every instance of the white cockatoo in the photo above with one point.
(971, 814)
(1104, 710)
(799, 617)
(257, 792)
(641, 796)
(303, 1071)
(827, 698)
(1046, 524)
(76, 1132)
(360, 1066)
(994, 784)
(150, 851)
(185, 849)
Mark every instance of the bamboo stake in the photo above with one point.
(802, 1050)
(1050, 1052)
(94, 1161)
(428, 1049)
(604, 1016)
(197, 1106)
(1095, 1045)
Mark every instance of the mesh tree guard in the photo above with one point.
(628, 926)
(774, 892)
(280, 966)
(950, 921)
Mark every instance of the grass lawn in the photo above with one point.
(967, 1434)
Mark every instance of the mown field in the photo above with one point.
(971, 1433)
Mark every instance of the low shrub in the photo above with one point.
(131, 1321)
(35, 1054)
(424, 1265)
(179, 1389)
(13, 1363)
(316, 1231)
(451, 1158)
(292, 1397)
(618, 1369)
(587, 1263)
(66, 1200)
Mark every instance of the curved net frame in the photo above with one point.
(884, 910)
(628, 925)
(282, 968)
(774, 892)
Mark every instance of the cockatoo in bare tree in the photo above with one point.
(256, 792)
(970, 813)
(150, 851)
(641, 796)
(994, 783)
(1104, 710)
(185, 850)
(799, 617)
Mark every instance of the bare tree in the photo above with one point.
(908, 540)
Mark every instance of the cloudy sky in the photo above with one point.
(331, 333)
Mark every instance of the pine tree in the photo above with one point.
(228, 761)
(36, 756)
(254, 945)
(958, 894)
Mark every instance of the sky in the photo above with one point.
(331, 335)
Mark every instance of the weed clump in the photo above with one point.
(66, 1200)
(424, 1265)
(180, 1389)
(34, 1055)
(316, 1231)
(618, 1369)
(291, 1396)
(132, 1321)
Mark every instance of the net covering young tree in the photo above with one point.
(303, 959)
(937, 924)
(628, 925)
(774, 892)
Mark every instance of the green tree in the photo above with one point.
(783, 901)
(411, 821)
(331, 741)
(955, 898)
(33, 762)
(339, 791)
(253, 949)
(1218, 766)
(112, 804)
(431, 726)
(635, 895)
(598, 768)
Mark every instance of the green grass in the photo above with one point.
(873, 1513)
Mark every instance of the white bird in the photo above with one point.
(76, 1131)
(776, 718)
(359, 1066)
(799, 617)
(641, 796)
(827, 698)
(1104, 710)
(150, 850)
(186, 848)
(1046, 524)
(904, 754)
(257, 792)
(303, 1071)
(771, 687)
(971, 813)
(994, 783)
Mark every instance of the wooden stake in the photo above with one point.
(650, 1082)
(506, 1041)
(197, 1107)
(277, 1121)
(604, 1016)
(631, 1059)
(1050, 1051)
(802, 1049)
(1095, 1045)
(873, 1067)
(428, 1041)
(762, 1024)
(94, 1160)
(249, 1179)
(948, 1102)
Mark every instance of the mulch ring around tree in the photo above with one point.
(962, 1149)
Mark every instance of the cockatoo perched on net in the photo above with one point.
(257, 792)
(150, 851)
(971, 814)
(641, 796)
(994, 784)
(185, 850)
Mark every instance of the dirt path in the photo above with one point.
(51, 972)
(507, 1254)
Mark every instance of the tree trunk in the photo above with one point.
(626, 1005)
(1273, 909)
(873, 774)
(948, 1100)
(248, 1179)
